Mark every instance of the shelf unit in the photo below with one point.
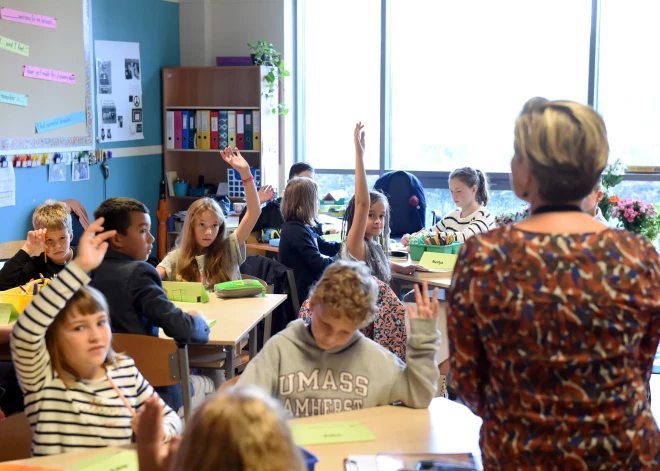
(217, 88)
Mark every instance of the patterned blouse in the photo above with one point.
(552, 339)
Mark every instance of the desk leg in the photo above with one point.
(268, 326)
(184, 373)
(253, 342)
(229, 361)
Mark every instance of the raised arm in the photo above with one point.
(19, 269)
(253, 211)
(355, 238)
(417, 382)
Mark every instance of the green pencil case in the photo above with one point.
(239, 289)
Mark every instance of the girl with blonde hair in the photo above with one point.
(301, 248)
(79, 394)
(204, 252)
(239, 429)
(554, 321)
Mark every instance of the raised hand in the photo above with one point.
(153, 453)
(34, 244)
(92, 246)
(358, 137)
(266, 194)
(237, 161)
(427, 306)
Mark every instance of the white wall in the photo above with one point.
(211, 28)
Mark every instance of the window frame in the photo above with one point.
(429, 179)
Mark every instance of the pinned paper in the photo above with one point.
(14, 46)
(183, 292)
(28, 18)
(13, 98)
(331, 432)
(436, 261)
(122, 461)
(61, 121)
(48, 74)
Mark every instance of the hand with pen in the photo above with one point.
(35, 243)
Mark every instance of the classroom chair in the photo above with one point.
(9, 249)
(151, 354)
(16, 438)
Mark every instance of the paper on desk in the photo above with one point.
(179, 291)
(331, 432)
(7, 186)
(123, 460)
(210, 322)
(332, 237)
(8, 313)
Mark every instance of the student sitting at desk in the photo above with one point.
(133, 288)
(79, 393)
(46, 250)
(205, 253)
(328, 366)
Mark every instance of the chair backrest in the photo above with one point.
(407, 214)
(15, 437)
(293, 290)
(11, 248)
(153, 356)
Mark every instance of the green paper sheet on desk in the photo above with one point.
(331, 432)
(332, 237)
(179, 291)
(8, 313)
(120, 461)
(210, 322)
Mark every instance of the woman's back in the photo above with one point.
(568, 326)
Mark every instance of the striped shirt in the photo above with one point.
(465, 227)
(90, 414)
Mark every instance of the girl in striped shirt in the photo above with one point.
(79, 393)
(469, 190)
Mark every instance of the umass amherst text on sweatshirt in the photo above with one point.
(311, 381)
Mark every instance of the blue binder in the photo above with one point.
(224, 142)
(248, 131)
(185, 124)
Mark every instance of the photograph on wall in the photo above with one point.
(57, 172)
(104, 74)
(121, 105)
(80, 171)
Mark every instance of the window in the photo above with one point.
(628, 78)
(461, 74)
(333, 181)
(340, 76)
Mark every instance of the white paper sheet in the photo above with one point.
(7, 185)
(119, 91)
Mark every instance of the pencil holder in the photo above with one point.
(181, 189)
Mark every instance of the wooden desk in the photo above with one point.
(446, 427)
(262, 246)
(443, 283)
(234, 319)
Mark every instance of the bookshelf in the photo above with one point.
(216, 88)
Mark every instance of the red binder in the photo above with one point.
(215, 130)
(178, 120)
(240, 130)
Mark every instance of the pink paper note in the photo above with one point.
(28, 18)
(48, 74)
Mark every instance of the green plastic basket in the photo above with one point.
(417, 250)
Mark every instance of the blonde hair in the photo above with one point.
(240, 429)
(217, 268)
(52, 215)
(301, 200)
(564, 144)
(86, 300)
(347, 290)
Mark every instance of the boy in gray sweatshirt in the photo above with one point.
(328, 366)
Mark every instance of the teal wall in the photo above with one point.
(155, 25)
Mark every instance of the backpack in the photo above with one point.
(270, 217)
(407, 201)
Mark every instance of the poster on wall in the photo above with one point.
(119, 91)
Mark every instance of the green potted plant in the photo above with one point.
(264, 54)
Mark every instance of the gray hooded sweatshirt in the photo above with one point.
(311, 381)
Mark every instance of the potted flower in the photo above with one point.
(509, 218)
(612, 176)
(636, 216)
(264, 54)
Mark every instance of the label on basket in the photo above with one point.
(440, 262)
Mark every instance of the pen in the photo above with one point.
(23, 290)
